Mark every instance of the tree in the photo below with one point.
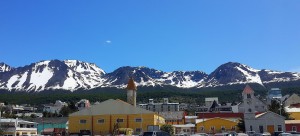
(65, 111)
(33, 116)
(278, 108)
(167, 128)
(72, 106)
(241, 125)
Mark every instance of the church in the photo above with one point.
(260, 122)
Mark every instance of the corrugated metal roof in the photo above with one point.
(172, 114)
(204, 120)
(270, 114)
(9, 120)
(110, 107)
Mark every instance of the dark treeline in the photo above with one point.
(191, 95)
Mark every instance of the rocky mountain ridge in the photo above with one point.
(73, 75)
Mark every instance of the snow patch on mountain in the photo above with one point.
(251, 78)
(73, 74)
(4, 67)
(40, 79)
(12, 80)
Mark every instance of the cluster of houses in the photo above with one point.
(29, 120)
(107, 117)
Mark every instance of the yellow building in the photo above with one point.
(110, 115)
(294, 111)
(215, 125)
(295, 115)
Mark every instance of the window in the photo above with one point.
(251, 129)
(279, 128)
(294, 128)
(120, 120)
(202, 129)
(138, 120)
(248, 96)
(261, 129)
(100, 121)
(223, 128)
(82, 121)
(138, 130)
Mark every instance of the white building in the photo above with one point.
(82, 104)
(17, 127)
(160, 107)
(54, 108)
(293, 99)
(264, 122)
(210, 100)
(184, 129)
(258, 105)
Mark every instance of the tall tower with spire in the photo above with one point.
(131, 92)
(249, 108)
(249, 103)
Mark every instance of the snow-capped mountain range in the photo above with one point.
(73, 74)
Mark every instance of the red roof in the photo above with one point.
(248, 90)
(221, 115)
(131, 85)
(296, 105)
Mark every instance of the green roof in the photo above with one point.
(110, 107)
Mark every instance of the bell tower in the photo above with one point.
(249, 108)
(249, 103)
(131, 92)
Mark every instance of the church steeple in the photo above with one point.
(131, 85)
(131, 92)
(248, 100)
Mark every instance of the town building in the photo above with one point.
(258, 105)
(292, 125)
(263, 122)
(212, 105)
(18, 127)
(106, 117)
(230, 116)
(82, 104)
(54, 108)
(293, 99)
(187, 129)
(173, 117)
(190, 119)
(274, 93)
(51, 126)
(293, 110)
(215, 125)
(160, 107)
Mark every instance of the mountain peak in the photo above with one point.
(4, 67)
(233, 72)
(75, 74)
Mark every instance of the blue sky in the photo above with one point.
(166, 35)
